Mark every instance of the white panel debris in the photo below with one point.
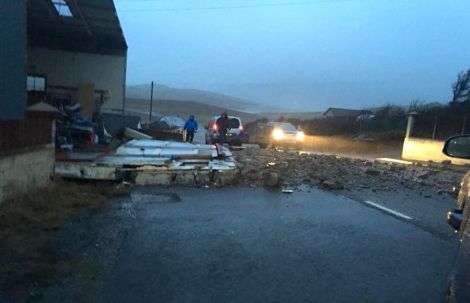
(154, 162)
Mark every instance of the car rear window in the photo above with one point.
(233, 123)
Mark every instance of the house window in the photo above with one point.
(62, 8)
(36, 84)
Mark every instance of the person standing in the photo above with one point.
(190, 127)
(223, 126)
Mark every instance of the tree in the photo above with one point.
(461, 88)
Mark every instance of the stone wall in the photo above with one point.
(26, 170)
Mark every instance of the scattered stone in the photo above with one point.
(373, 172)
(440, 192)
(252, 175)
(424, 174)
(332, 173)
(332, 185)
(396, 168)
(270, 179)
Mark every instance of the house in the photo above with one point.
(333, 112)
(52, 50)
(76, 50)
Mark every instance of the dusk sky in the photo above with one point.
(308, 55)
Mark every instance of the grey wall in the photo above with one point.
(70, 69)
(21, 172)
(12, 59)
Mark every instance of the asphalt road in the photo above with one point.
(253, 245)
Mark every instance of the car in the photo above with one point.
(459, 219)
(235, 133)
(284, 134)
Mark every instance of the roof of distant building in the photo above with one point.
(345, 112)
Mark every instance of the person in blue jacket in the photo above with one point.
(190, 127)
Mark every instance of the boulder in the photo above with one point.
(332, 184)
(270, 179)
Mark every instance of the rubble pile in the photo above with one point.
(271, 167)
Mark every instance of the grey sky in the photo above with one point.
(308, 54)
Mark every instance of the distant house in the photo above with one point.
(334, 112)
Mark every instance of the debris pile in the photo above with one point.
(270, 167)
(153, 162)
(166, 128)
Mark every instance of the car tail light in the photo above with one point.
(91, 138)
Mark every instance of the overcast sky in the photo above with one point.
(308, 54)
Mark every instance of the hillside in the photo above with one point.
(163, 92)
(203, 112)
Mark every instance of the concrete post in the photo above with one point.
(411, 123)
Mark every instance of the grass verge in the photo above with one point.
(26, 223)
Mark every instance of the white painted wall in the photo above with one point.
(70, 69)
(427, 150)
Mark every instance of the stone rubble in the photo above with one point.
(272, 168)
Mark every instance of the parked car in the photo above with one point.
(459, 219)
(235, 132)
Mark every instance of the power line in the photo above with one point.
(278, 4)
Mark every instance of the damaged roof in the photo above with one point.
(90, 26)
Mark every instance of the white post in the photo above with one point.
(411, 123)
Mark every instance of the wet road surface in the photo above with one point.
(254, 245)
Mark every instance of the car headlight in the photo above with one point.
(300, 136)
(278, 134)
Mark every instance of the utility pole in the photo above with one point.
(151, 103)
